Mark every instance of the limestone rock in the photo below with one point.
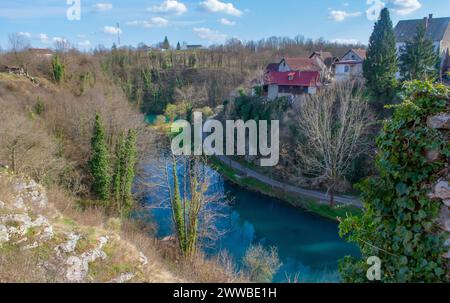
(444, 218)
(31, 246)
(446, 202)
(79, 265)
(19, 204)
(68, 246)
(440, 121)
(432, 155)
(4, 235)
(143, 259)
(442, 190)
(123, 278)
(76, 271)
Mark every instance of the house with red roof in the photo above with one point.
(350, 66)
(292, 77)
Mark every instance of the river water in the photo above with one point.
(308, 245)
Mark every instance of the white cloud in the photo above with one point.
(216, 6)
(153, 22)
(102, 7)
(169, 7)
(44, 38)
(225, 21)
(60, 40)
(111, 30)
(342, 15)
(24, 34)
(209, 34)
(85, 43)
(345, 41)
(405, 7)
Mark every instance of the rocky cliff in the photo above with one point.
(39, 244)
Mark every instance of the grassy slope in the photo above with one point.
(295, 200)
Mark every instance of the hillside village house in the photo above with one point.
(16, 70)
(350, 66)
(437, 30)
(326, 61)
(292, 77)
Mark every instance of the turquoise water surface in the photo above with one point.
(308, 245)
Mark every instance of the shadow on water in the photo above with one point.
(307, 244)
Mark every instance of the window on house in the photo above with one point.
(346, 68)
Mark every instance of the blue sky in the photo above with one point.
(200, 21)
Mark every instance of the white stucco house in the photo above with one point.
(350, 66)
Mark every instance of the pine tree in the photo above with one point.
(418, 59)
(178, 46)
(380, 66)
(166, 44)
(99, 162)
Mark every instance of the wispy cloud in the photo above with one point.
(405, 7)
(339, 16)
(111, 30)
(216, 6)
(44, 38)
(60, 40)
(225, 21)
(169, 7)
(153, 22)
(209, 34)
(24, 34)
(345, 41)
(84, 43)
(102, 7)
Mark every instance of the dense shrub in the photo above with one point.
(400, 222)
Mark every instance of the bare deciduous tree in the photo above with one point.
(333, 125)
(18, 44)
(26, 148)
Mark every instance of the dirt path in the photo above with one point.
(247, 172)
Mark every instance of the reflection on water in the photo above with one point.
(307, 244)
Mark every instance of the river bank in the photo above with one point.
(307, 203)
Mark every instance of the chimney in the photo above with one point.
(427, 20)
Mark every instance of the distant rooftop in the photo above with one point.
(437, 29)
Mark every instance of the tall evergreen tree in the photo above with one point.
(178, 46)
(99, 162)
(419, 59)
(380, 66)
(117, 181)
(130, 152)
(124, 173)
(166, 44)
